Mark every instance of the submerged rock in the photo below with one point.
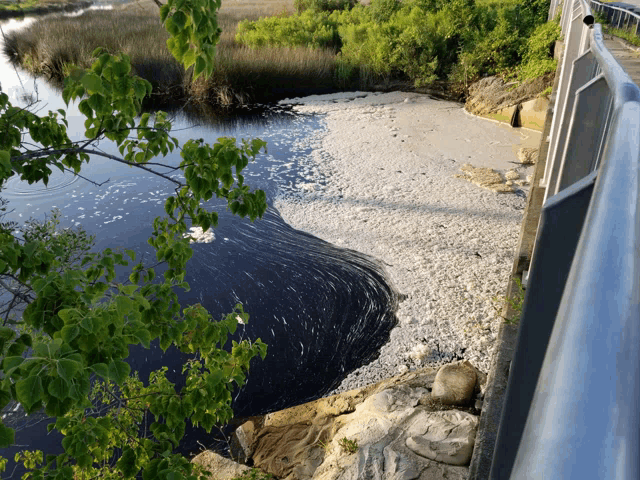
(485, 178)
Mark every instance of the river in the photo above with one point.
(322, 310)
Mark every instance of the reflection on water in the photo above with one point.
(322, 310)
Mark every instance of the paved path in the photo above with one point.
(627, 57)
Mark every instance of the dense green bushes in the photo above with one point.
(310, 28)
(537, 53)
(421, 40)
(324, 5)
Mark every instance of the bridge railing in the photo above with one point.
(616, 16)
(572, 405)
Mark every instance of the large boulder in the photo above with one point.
(454, 383)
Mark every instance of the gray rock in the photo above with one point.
(398, 439)
(221, 468)
(242, 442)
(446, 437)
(454, 383)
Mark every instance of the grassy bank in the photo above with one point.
(12, 9)
(242, 74)
(282, 48)
(421, 41)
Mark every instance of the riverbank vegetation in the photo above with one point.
(11, 8)
(241, 74)
(424, 42)
(278, 49)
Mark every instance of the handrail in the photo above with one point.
(621, 11)
(584, 420)
(579, 333)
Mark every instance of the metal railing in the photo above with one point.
(572, 406)
(616, 16)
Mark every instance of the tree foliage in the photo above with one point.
(68, 321)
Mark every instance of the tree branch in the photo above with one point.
(67, 151)
(16, 293)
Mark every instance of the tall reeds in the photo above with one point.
(242, 75)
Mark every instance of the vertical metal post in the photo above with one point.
(573, 43)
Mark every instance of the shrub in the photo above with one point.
(537, 52)
(308, 29)
(382, 10)
(324, 5)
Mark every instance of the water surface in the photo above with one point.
(322, 310)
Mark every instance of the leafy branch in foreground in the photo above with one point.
(65, 354)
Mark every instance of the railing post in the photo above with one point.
(582, 70)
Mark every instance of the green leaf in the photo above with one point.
(7, 436)
(189, 58)
(11, 363)
(67, 368)
(87, 324)
(127, 463)
(69, 332)
(128, 289)
(76, 74)
(59, 388)
(201, 64)
(6, 333)
(93, 83)
(118, 371)
(179, 19)
(5, 162)
(101, 369)
(29, 391)
(5, 398)
(143, 337)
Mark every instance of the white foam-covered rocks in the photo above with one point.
(446, 437)
(384, 170)
(398, 439)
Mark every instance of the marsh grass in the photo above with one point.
(242, 75)
(18, 8)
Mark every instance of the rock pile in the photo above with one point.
(419, 425)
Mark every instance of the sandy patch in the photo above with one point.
(383, 175)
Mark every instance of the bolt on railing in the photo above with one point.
(572, 406)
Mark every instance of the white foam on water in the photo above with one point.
(380, 180)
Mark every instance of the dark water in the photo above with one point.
(322, 310)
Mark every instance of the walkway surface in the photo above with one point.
(627, 56)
